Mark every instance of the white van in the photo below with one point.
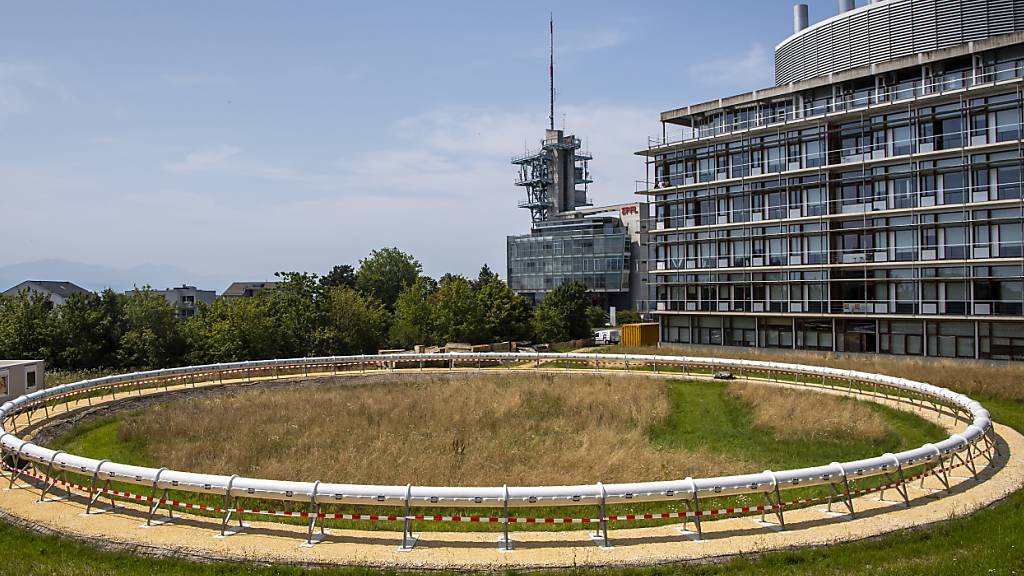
(608, 336)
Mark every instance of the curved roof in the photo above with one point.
(890, 29)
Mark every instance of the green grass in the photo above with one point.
(99, 439)
(705, 416)
(988, 542)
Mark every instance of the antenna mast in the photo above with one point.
(551, 69)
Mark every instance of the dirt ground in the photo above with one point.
(265, 541)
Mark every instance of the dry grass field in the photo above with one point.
(472, 430)
(798, 415)
(477, 430)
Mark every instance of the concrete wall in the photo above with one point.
(15, 378)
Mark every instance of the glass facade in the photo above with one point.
(880, 214)
(594, 251)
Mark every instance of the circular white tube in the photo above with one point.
(496, 496)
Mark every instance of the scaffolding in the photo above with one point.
(556, 176)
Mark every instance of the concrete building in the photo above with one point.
(20, 376)
(869, 202)
(246, 289)
(569, 239)
(186, 299)
(56, 292)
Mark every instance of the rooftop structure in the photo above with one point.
(246, 289)
(56, 291)
(186, 299)
(569, 240)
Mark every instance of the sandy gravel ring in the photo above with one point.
(194, 537)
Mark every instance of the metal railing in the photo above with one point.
(26, 458)
(852, 102)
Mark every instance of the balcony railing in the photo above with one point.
(861, 100)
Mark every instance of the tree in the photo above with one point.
(506, 315)
(79, 333)
(626, 317)
(355, 324)
(296, 307)
(26, 325)
(596, 316)
(341, 275)
(234, 330)
(563, 314)
(112, 326)
(457, 313)
(152, 337)
(549, 324)
(385, 273)
(485, 277)
(414, 315)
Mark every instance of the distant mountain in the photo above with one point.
(96, 277)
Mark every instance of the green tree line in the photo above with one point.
(386, 302)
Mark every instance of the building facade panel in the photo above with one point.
(881, 31)
(880, 213)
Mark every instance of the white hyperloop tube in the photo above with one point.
(492, 496)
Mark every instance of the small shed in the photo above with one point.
(644, 334)
(18, 377)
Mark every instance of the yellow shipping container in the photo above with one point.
(645, 334)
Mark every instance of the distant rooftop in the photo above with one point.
(10, 363)
(63, 289)
(242, 289)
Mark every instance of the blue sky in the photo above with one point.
(229, 140)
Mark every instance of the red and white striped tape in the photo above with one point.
(473, 519)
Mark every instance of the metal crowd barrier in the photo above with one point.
(975, 439)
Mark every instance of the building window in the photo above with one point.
(1008, 182)
(30, 378)
(1007, 125)
(1010, 240)
(955, 244)
(951, 339)
(5, 384)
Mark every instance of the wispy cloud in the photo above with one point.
(230, 160)
(459, 152)
(204, 160)
(189, 79)
(23, 85)
(592, 41)
(750, 70)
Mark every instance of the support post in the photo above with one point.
(94, 492)
(157, 501)
(19, 470)
(51, 481)
(314, 514)
(846, 495)
(776, 505)
(901, 486)
(408, 540)
(506, 540)
(227, 508)
(602, 526)
(902, 489)
(696, 509)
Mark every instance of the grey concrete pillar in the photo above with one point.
(799, 17)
